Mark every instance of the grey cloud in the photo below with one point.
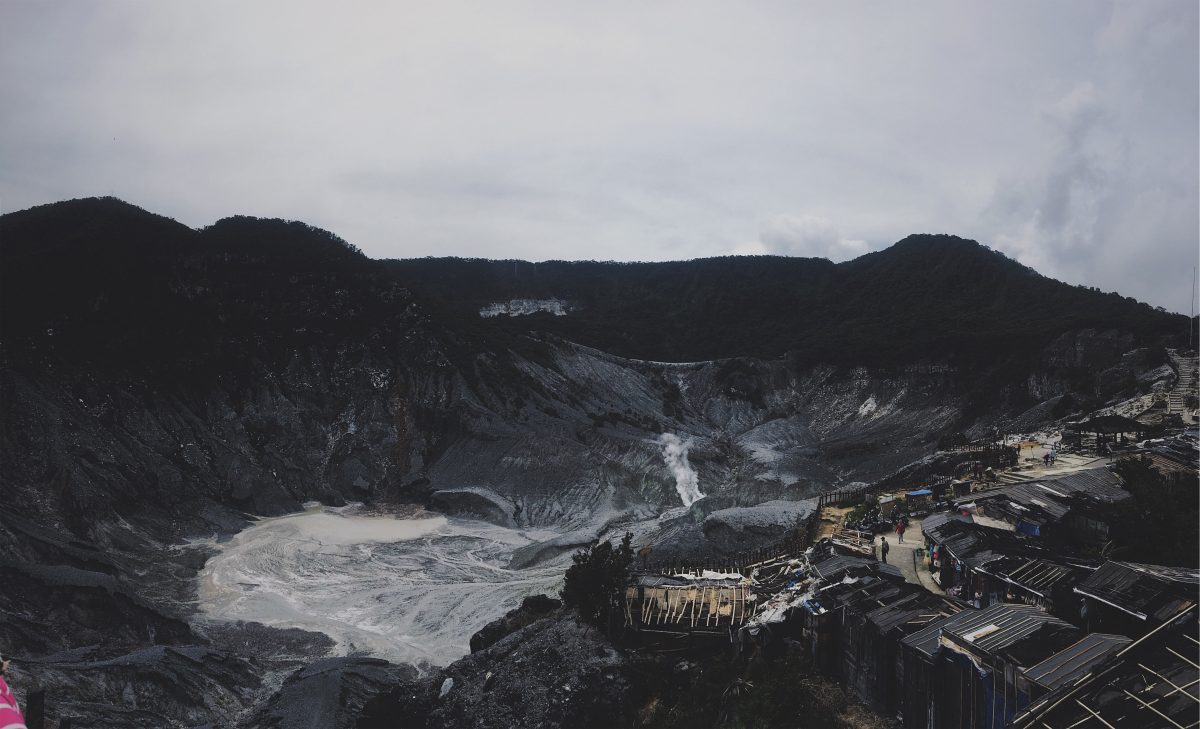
(1112, 203)
(1062, 133)
(806, 236)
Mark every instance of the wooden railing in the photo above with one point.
(843, 497)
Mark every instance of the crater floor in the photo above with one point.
(409, 590)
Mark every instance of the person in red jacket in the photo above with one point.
(10, 714)
(900, 527)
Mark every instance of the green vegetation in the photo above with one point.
(1160, 524)
(108, 287)
(868, 509)
(927, 297)
(597, 576)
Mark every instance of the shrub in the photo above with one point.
(598, 574)
(1161, 523)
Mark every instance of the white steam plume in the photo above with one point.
(675, 452)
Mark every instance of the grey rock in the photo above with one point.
(552, 673)
(329, 693)
(763, 522)
(532, 608)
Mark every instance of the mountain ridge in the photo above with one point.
(927, 297)
(163, 386)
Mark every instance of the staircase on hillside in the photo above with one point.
(1185, 381)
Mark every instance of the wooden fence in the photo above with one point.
(843, 497)
(990, 454)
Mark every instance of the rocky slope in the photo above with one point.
(162, 384)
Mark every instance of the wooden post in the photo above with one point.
(35, 709)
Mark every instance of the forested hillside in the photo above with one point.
(104, 278)
(928, 297)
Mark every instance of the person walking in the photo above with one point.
(883, 549)
(900, 527)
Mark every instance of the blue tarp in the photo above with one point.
(922, 492)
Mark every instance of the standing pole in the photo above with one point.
(1192, 308)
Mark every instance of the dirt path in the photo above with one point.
(832, 518)
(903, 556)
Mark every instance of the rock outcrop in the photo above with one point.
(534, 607)
(555, 672)
(331, 692)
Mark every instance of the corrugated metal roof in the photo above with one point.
(889, 570)
(1011, 622)
(862, 594)
(1037, 502)
(1181, 575)
(1035, 573)
(914, 612)
(1153, 681)
(1146, 591)
(838, 566)
(1003, 625)
(933, 521)
(976, 544)
(1046, 501)
(1039, 574)
(1167, 464)
(1098, 483)
(926, 639)
(1070, 664)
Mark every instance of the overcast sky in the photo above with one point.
(1062, 133)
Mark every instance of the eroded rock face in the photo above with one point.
(1158, 378)
(54, 608)
(1092, 349)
